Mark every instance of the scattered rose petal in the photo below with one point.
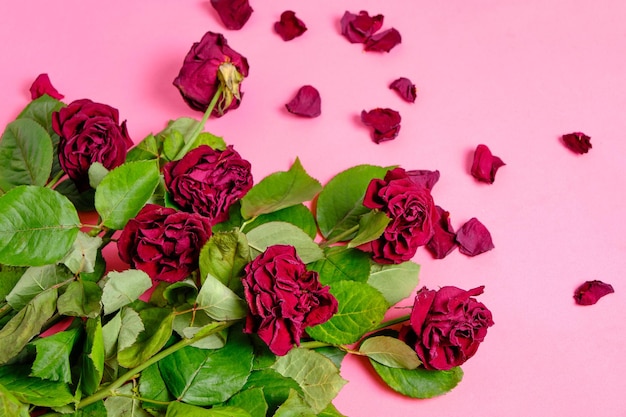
(41, 86)
(591, 291)
(386, 123)
(358, 28)
(405, 88)
(306, 103)
(383, 41)
(485, 165)
(424, 177)
(233, 13)
(289, 26)
(577, 142)
(474, 238)
(443, 241)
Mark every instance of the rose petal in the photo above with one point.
(306, 103)
(405, 88)
(577, 142)
(443, 241)
(289, 26)
(591, 291)
(41, 86)
(385, 122)
(485, 165)
(358, 28)
(233, 13)
(474, 238)
(424, 177)
(383, 41)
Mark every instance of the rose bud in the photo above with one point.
(474, 238)
(306, 103)
(358, 28)
(405, 88)
(446, 326)
(41, 86)
(163, 242)
(211, 64)
(443, 241)
(208, 181)
(233, 13)
(577, 142)
(411, 210)
(89, 132)
(289, 26)
(591, 291)
(383, 41)
(284, 298)
(385, 123)
(485, 165)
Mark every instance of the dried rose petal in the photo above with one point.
(591, 291)
(383, 41)
(306, 103)
(41, 86)
(358, 28)
(289, 26)
(485, 165)
(386, 123)
(405, 88)
(577, 142)
(474, 238)
(424, 177)
(443, 241)
(233, 13)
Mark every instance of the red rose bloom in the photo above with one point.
(163, 242)
(89, 132)
(208, 181)
(284, 298)
(446, 326)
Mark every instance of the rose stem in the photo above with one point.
(339, 237)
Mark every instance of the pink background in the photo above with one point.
(514, 75)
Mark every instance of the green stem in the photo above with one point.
(53, 182)
(142, 399)
(392, 322)
(340, 237)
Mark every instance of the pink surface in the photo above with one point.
(513, 75)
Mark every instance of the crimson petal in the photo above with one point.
(383, 41)
(385, 122)
(474, 238)
(443, 241)
(289, 26)
(41, 86)
(306, 103)
(485, 164)
(577, 142)
(591, 291)
(424, 177)
(233, 13)
(359, 28)
(405, 88)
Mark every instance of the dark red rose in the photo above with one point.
(289, 26)
(199, 77)
(405, 88)
(284, 298)
(591, 291)
(208, 181)
(577, 142)
(474, 238)
(233, 13)
(485, 165)
(89, 132)
(424, 177)
(384, 41)
(306, 103)
(358, 28)
(444, 240)
(446, 326)
(411, 209)
(41, 86)
(385, 123)
(163, 242)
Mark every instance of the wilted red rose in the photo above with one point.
(306, 103)
(384, 41)
(358, 28)
(411, 209)
(163, 242)
(208, 181)
(474, 238)
(233, 13)
(485, 165)
(591, 291)
(444, 239)
(41, 86)
(446, 326)
(284, 298)
(405, 88)
(577, 142)
(203, 72)
(289, 26)
(89, 132)
(385, 123)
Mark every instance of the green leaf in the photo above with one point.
(219, 302)
(371, 226)
(280, 190)
(82, 200)
(10, 406)
(281, 233)
(149, 148)
(225, 256)
(53, 356)
(158, 329)
(35, 280)
(317, 376)
(419, 382)
(9, 277)
(33, 390)
(361, 308)
(92, 357)
(206, 377)
(124, 191)
(26, 324)
(390, 351)
(110, 333)
(298, 215)
(176, 409)
(121, 331)
(96, 174)
(333, 353)
(295, 406)
(275, 387)
(82, 257)
(395, 282)
(96, 409)
(251, 400)
(25, 155)
(124, 404)
(81, 299)
(99, 268)
(181, 292)
(152, 386)
(122, 288)
(40, 110)
(340, 203)
(172, 144)
(30, 219)
(341, 263)
(330, 411)
(190, 324)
